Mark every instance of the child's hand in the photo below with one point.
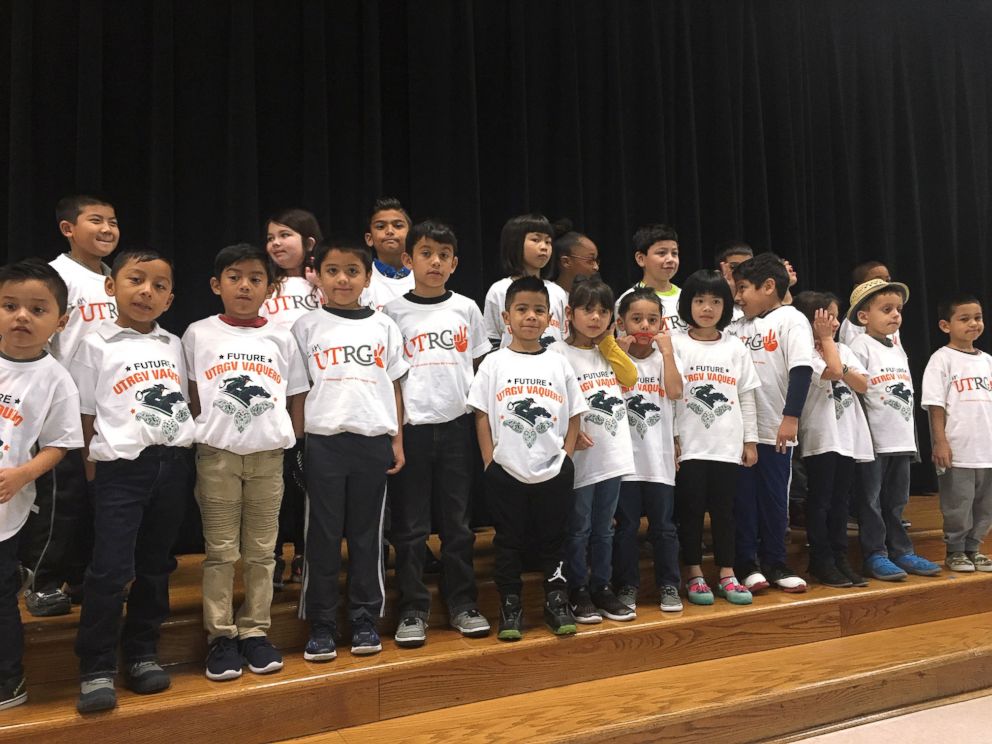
(750, 457)
(583, 441)
(625, 342)
(678, 453)
(728, 275)
(89, 470)
(610, 331)
(942, 455)
(12, 480)
(823, 326)
(663, 340)
(788, 430)
(399, 460)
(311, 276)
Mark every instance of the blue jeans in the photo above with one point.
(589, 532)
(138, 510)
(882, 490)
(657, 500)
(11, 630)
(761, 509)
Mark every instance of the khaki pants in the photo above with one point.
(239, 498)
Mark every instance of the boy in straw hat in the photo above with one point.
(882, 486)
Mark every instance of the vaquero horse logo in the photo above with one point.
(235, 399)
(900, 399)
(605, 410)
(708, 403)
(162, 408)
(842, 397)
(527, 420)
(642, 414)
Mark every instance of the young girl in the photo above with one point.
(290, 237)
(718, 431)
(651, 487)
(833, 434)
(602, 452)
(525, 250)
(574, 254)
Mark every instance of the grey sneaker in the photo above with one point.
(670, 600)
(982, 562)
(48, 604)
(96, 694)
(146, 677)
(412, 632)
(959, 562)
(628, 595)
(471, 623)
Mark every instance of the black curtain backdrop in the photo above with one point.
(830, 132)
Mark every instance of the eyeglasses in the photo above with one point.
(590, 260)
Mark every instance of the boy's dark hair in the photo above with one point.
(385, 203)
(639, 293)
(762, 267)
(511, 242)
(860, 273)
(70, 207)
(324, 247)
(436, 231)
(140, 255)
(647, 236)
(525, 284)
(706, 282)
(731, 248)
(809, 302)
(35, 269)
(589, 291)
(232, 254)
(298, 220)
(947, 305)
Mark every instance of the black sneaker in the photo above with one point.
(13, 691)
(278, 580)
(845, 568)
(364, 637)
(610, 606)
(557, 614)
(262, 656)
(48, 603)
(583, 609)
(146, 677)
(223, 660)
(296, 571)
(829, 575)
(511, 617)
(321, 645)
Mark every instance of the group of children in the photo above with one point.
(332, 372)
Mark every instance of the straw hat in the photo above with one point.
(864, 292)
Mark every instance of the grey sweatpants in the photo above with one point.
(966, 503)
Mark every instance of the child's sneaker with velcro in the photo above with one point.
(411, 632)
(471, 623)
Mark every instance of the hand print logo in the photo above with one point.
(769, 341)
(461, 339)
(377, 356)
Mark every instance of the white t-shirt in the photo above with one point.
(135, 385)
(352, 360)
(38, 405)
(441, 338)
(89, 305)
(496, 303)
(651, 415)
(670, 318)
(849, 332)
(779, 341)
(529, 399)
(604, 423)
(708, 416)
(294, 296)
(832, 418)
(961, 384)
(243, 377)
(382, 290)
(889, 400)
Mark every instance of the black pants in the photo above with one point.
(57, 541)
(346, 496)
(657, 500)
(292, 511)
(829, 480)
(706, 486)
(438, 470)
(11, 630)
(518, 507)
(138, 507)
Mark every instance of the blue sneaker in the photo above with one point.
(880, 567)
(915, 564)
(364, 638)
(321, 646)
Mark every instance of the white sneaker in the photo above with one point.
(755, 581)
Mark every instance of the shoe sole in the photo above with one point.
(618, 618)
(589, 619)
(50, 611)
(14, 701)
(567, 629)
(938, 572)
(410, 642)
(473, 632)
(984, 569)
(702, 601)
(329, 656)
(95, 706)
(889, 577)
(758, 587)
(961, 569)
(791, 589)
(274, 666)
(150, 690)
(224, 676)
(671, 608)
(366, 650)
(510, 635)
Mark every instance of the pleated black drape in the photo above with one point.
(830, 131)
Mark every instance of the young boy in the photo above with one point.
(353, 412)
(862, 273)
(443, 335)
(132, 381)
(781, 344)
(882, 486)
(243, 373)
(58, 548)
(527, 414)
(656, 252)
(39, 422)
(957, 393)
(390, 277)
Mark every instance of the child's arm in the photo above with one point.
(572, 434)
(750, 418)
(398, 459)
(194, 399)
(295, 404)
(823, 332)
(795, 399)
(855, 380)
(621, 364)
(485, 437)
(672, 376)
(942, 455)
(89, 431)
(13, 480)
